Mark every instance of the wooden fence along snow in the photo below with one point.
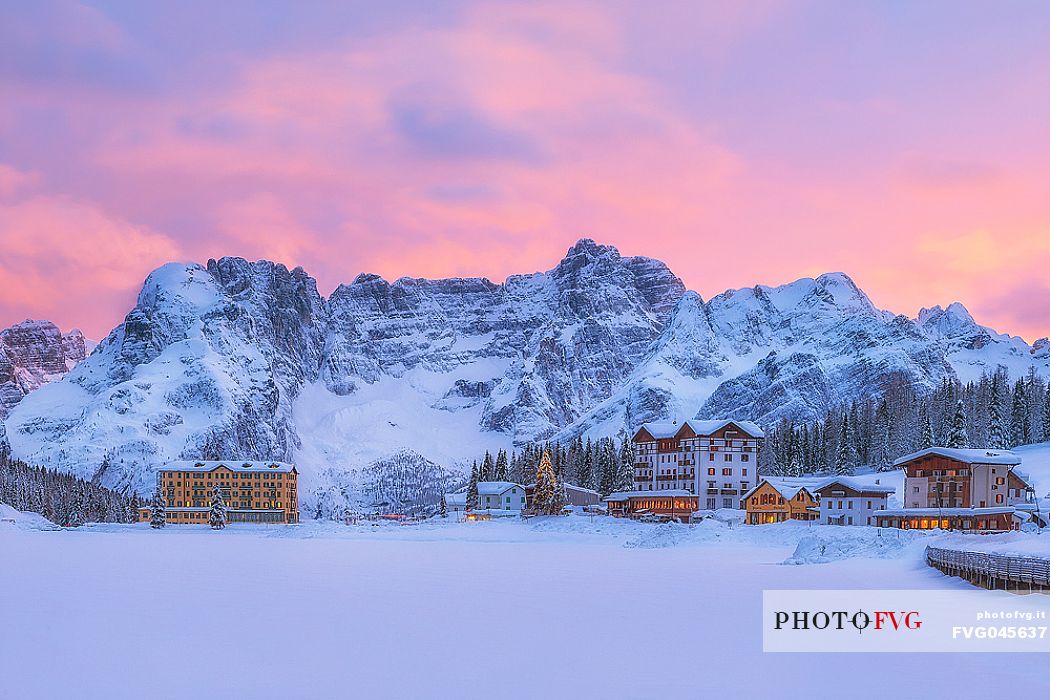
(993, 571)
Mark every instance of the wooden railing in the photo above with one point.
(1012, 573)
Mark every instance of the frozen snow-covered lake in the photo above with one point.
(569, 608)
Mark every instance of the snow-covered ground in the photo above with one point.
(574, 607)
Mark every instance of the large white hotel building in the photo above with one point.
(715, 459)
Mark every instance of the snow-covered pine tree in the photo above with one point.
(880, 443)
(585, 467)
(607, 467)
(157, 517)
(487, 468)
(1019, 425)
(444, 507)
(472, 489)
(957, 428)
(217, 516)
(548, 497)
(797, 466)
(998, 436)
(625, 482)
(1046, 418)
(846, 459)
(926, 430)
(502, 472)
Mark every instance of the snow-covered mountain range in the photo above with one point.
(33, 353)
(247, 359)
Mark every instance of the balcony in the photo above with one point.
(726, 492)
(712, 492)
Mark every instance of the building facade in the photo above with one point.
(845, 501)
(941, 477)
(980, 520)
(974, 490)
(678, 504)
(774, 501)
(500, 495)
(714, 460)
(456, 502)
(254, 492)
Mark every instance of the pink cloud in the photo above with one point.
(487, 145)
(66, 261)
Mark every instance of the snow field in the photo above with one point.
(554, 608)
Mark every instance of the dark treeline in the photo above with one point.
(602, 465)
(61, 498)
(990, 413)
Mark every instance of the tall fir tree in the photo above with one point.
(1046, 418)
(444, 507)
(548, 496)
(606, 467)
(1020, 433)
(157, 515)
(957, 436)
(502, 472)
(797, 466)
(488, 468)
(998, 435)
(846, 459)
(625, 482)
(472, 488)
(926, 429)
(217, 516)
(585, 467)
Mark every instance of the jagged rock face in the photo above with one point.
(33, 353)
(384, 380)
(560, 340)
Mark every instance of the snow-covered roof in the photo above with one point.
(1024, 477)
(668, 429)
(235, 465)
(455, 499)
(574, 487)
(495, 488)
(625, 495)
(855, 485)
(907, 512)
(786, 487)
(964, 454)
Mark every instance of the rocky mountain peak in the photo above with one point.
(33, 353)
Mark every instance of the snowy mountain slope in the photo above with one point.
(768, 352)
(206, 364)
(247, 359)
(33, 353)
(972, 348)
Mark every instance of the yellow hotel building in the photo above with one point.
(254, 492)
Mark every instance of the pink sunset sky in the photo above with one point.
(906, 144)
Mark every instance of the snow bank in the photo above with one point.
(834, 543)
(9, 517)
